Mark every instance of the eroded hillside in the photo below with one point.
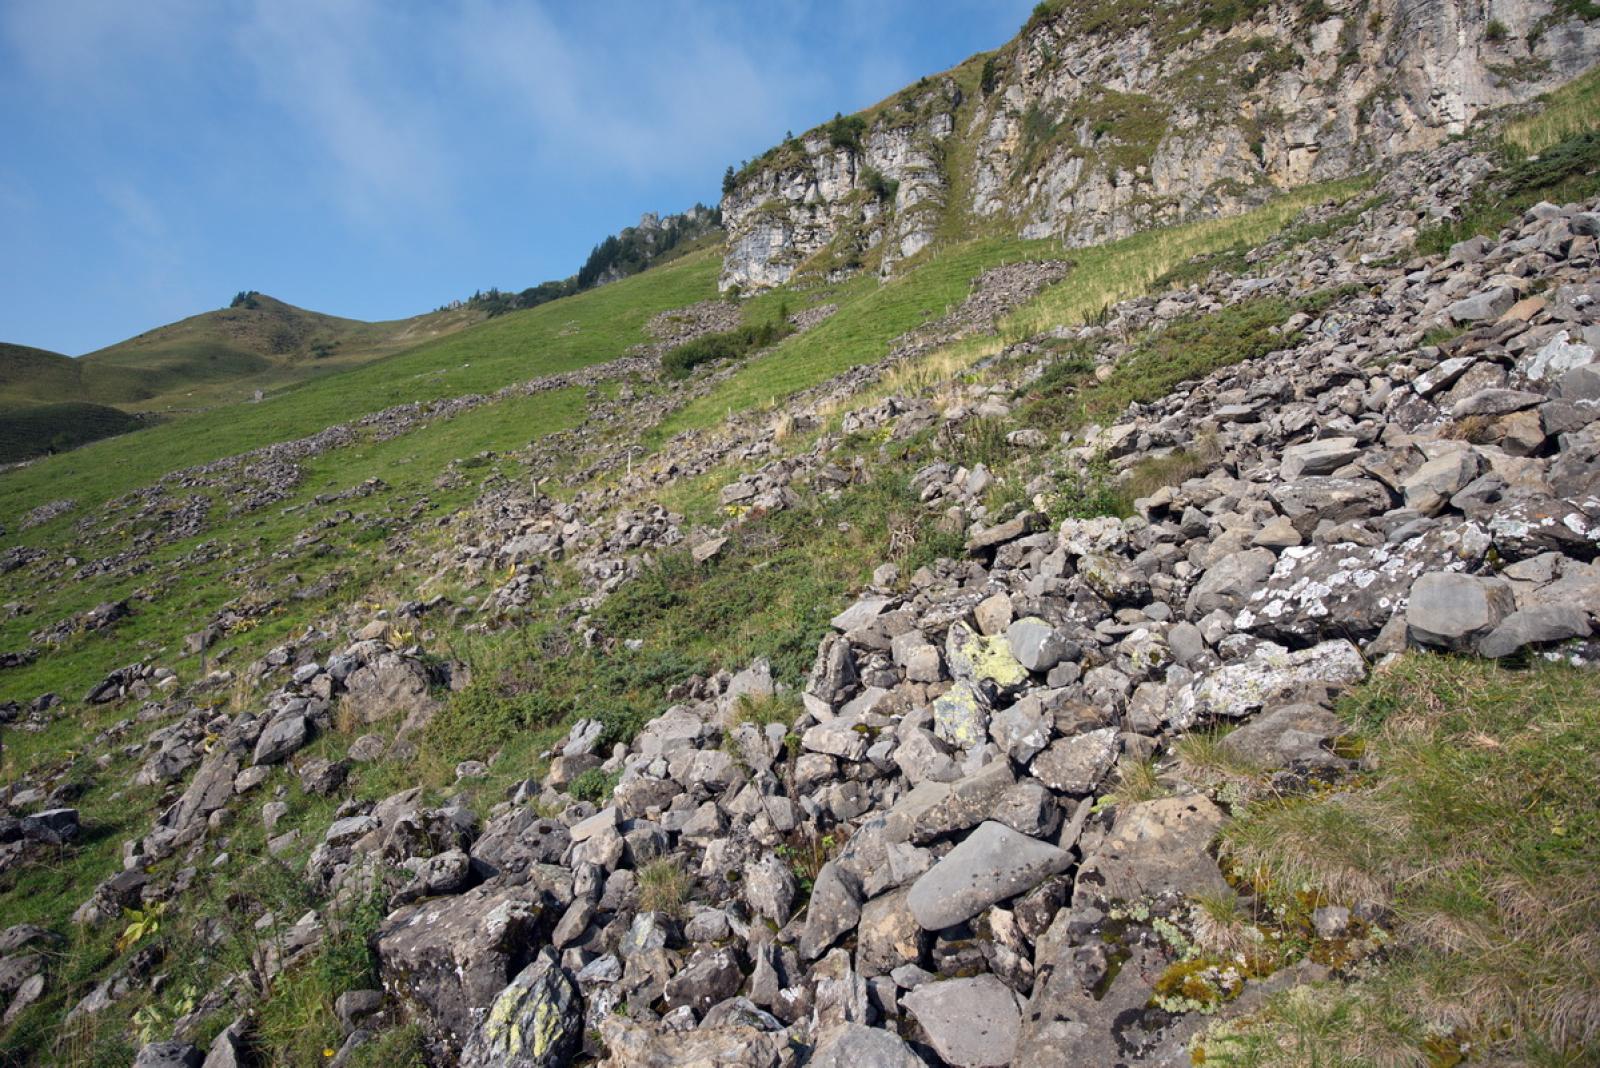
(1165, 651)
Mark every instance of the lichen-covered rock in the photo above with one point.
(1270, 675)
(1154, 847)
(445, 960)
(961, 716)
(535, 1022)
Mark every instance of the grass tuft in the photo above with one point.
(1479, 833)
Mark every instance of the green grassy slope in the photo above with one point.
(37, 429)
(555, 337)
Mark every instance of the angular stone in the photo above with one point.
(282, 737)
(1228, 583)
(1429, 488)
(1035, 644)
(992, 864)
(834, 909)
(854, 1045)
(444, 958)
(1359, 587)
(961, 716)
(1309, 501)
(1485, 304)
(1454, 610)
(535, 1022)
(974, 658)
(1076, 765)
(888, 935)
(971, 1023)
(1535, 625)
(1153, 848)
(1270, 675)
(1321, 457)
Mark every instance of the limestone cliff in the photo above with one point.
(1103, 117)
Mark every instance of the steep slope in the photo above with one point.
(859, 697)
(1103, 117)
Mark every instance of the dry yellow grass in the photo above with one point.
(1572, 109)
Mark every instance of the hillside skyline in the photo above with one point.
(375, 166)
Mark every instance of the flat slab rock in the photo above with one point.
(992, 864)
(1154, 847)
(971, 1023)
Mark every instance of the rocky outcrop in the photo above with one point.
(1091, 124)
(843, 188)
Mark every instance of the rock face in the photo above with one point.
(1089, 127)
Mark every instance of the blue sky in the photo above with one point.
(377, 158)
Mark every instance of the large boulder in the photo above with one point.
(1270, 675)
(390, 685)
(445, 960)
(1353, 590)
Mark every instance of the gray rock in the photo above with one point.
(853, 1045)
(1309, 501)
(1270, 675)
(1153, 848)
(992, 864)
(710, 976)
(1035, 644)
(1452, 610)
(1486, 304)
(55, 826)
(1229, 583)
(971, 1023)
(961, 716)
(1495, 402)
(834, 909)
(1290, 735)
(1321, 457)
(861, 613)
(1534, 625)
(1429, 488)
(281, 738)
(167, 1055)
(442, 959)
(1076, 765)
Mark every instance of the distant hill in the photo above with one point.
(50, 402)
(258, 343)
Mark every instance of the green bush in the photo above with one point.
(880, 186)
(1568, 170)
(844, 131)
(730, 345)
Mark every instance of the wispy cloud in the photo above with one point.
(97, 47)
(655, 92)
(334, 68)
